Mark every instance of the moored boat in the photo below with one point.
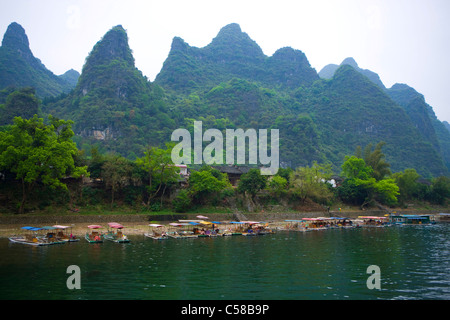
(315, 223)
(208, 229)
(181, 230)
(51, 235)
(156, 235)
(444, 217)
(341, 222)
(62, 235)
(116, 236)
(236, 230)
(410, 219)
(31, 238)
(263, 229)
(251, 228)
(372, 221)
(294, 225)
(94, 236)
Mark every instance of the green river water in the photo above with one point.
(414, 263)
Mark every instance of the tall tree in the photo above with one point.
(407, 183)
(377, 161)
(252, 182)
(310, 183)
(116, 171)
(207, 182)
(36, 152)
(160, 169)
(361, 182)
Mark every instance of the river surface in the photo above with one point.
(414, 263)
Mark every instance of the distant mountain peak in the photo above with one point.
(231, 30)
(178, 44)
(232, 41)
(110, 67)
(329, 70)
(113, 46)
(16, 39)
(20, 68)
(289, 54)
(351, 62)
(232, 27)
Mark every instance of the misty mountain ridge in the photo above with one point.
(328, 71)
(421, 114)
(230, 83)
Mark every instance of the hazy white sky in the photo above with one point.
(404, 41)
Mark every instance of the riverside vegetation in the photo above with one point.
(42, 168)
(386, 145)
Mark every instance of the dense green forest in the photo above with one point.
(42, 168)
(385, 144)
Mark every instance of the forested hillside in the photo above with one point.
(419, 112)
(231, 83)
(19, 68)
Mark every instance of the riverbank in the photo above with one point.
(137, 224)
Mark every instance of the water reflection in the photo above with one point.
(330, 264)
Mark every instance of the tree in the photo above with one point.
(96, 162)
(377, 161)
(386, 191)
(356, 168)
(440, 190)
(310, 182)
(160, 169)
(182, 201)
(252, 182)
(277, 185)
(21, 103)
(352, 192)
(407, 183)
(362, 182)
(206, 182)
(284, 173)
(116, 171)
(36, 152)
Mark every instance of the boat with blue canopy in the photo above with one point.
(30, 238)
(411, 219)
(235, 230)
(50, 235)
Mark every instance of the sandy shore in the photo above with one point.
(139, 225)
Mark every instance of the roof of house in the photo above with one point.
(233, 169)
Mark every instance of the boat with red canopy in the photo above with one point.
(116, 234)
(94, 236)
